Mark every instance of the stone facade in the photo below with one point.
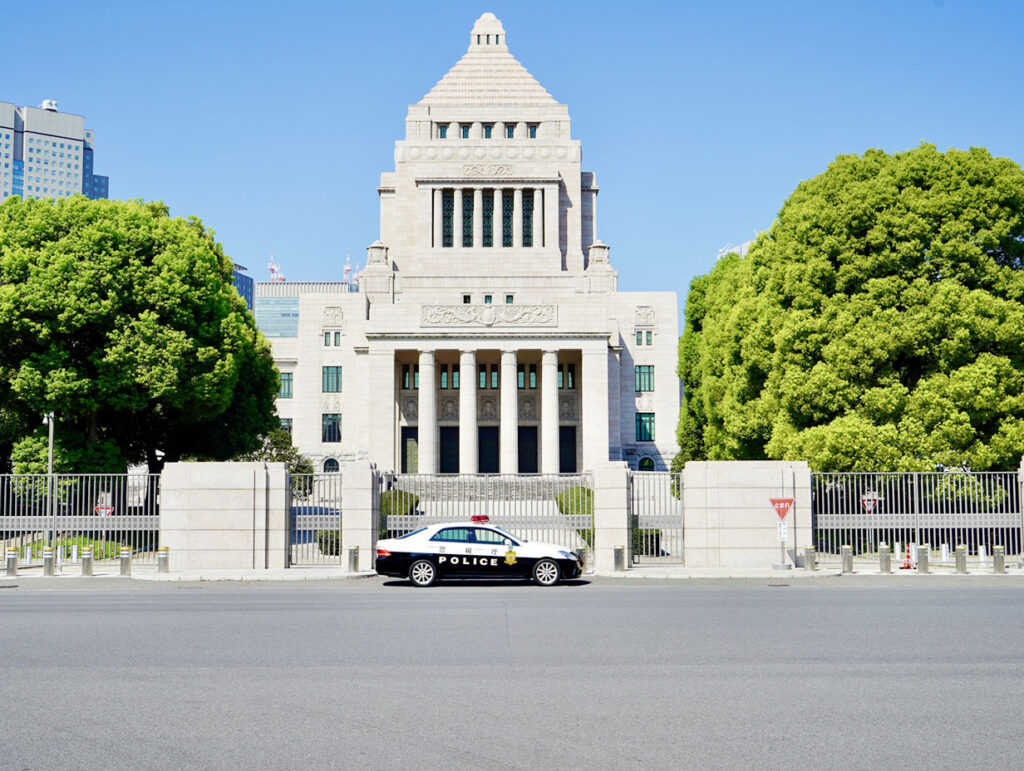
(488, 265)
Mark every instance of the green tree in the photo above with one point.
(879, 323)
(123, 321)
(276, 447)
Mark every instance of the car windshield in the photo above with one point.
(507, 534)
(409, 535)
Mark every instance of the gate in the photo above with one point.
(941, 510)
(71, 511)
(656, 517)
(314, 520)
(555, 508)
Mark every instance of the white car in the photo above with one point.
(474, 549)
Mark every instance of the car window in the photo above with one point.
(410, 535)
(453, 534)
(490, 536)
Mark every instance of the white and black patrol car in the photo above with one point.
(474, 549)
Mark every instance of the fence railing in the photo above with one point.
(69, 512)
(556, 508)
(943, 509)
(315, 519)
(656, 516)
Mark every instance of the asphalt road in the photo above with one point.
(368, 674)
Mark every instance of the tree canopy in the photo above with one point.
(878, 325)
(123, 321)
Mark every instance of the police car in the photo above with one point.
(474, 549)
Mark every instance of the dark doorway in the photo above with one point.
(527, 449)
(567, 449)
(487, 446)
(410, 450)
(449, 450)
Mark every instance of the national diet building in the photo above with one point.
(488, 334)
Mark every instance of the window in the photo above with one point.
(510, 131)
(493, 379)
(459, 534)
(442, 132)
(528, 218)
(332, 380)
(487, 299)
(410, 376)
(468, 204)
(467, 299)
(567, 376)
(508, 299)
(521, 375)
(286, 386)
(643, 374)
(447, 217)
(465, 131)
(507, 210)
(455, 376)
(331, 465)
(444, 377)
(327, 338)
(337, 338)
(645, 426)
(487, 225)
(488, 127)
(490, 536)
(527, 375)
(286, 425)
(331, 427)
(645, 464)
(649, 334)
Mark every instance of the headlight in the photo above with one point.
(569, 555)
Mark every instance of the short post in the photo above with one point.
(810, 558)
(353, 559)
(922, 557)
(998, 559)
(847, 556)
(12, 563)
(884, 558)
(585, 558)
(86, 560)
(126, 560)
(163, 560)
(48, 561)
(960, 553)
(619, 559)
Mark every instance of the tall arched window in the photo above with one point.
(330, 465)
(645, 464)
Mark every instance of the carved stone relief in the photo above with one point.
(332, 403)
(334, 317)
(645, 403)
(644, 316)
(488, 408)
(566, 407)
(410, 407)
(490, 315)
(487, 169)
(449, 408)
(527, 408)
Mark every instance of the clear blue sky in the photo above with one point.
(273, 121)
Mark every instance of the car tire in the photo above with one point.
(423, 573)
(546, 573)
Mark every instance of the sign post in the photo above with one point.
(782, 506)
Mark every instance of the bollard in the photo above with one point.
(48, 561)
(847, 555)
(998, 559)
(960, 554)
(126, 560)
(884, 558)
(619, 553)
(810, 558)
(353, 559)
(922, 557)
(12, 563)
(162, 560)
(584, 555)
(86, 560)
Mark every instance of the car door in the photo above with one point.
(453, 547)
(490, 545)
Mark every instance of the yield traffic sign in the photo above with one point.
(781, 506)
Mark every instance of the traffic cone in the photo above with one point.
(906, 560)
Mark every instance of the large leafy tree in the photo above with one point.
(123, 321)
(879, 323)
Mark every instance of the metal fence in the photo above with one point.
(315, 519)
(656, 517)
(555, 508)
(71, 511)
(979, 510)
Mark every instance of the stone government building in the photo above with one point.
(488, 334)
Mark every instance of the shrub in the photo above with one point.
(578, 500)
(398, 502)
(329, 542)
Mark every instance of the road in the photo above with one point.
(374, 674)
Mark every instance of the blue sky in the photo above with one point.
(273, 121)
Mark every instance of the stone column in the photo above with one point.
(427, 418)
(382, 404)
(478, 217)
(538, 217)
(594, 409)
(550, 217)
(509, 432)
(611, 514)
(358, 483)
(468, 431)
(438, 203)
(457, 219)
(517, 218)
(549, 455)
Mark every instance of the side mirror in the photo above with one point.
(508, 542)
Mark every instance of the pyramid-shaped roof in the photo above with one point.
(488, 74)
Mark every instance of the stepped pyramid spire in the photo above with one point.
(488, 74)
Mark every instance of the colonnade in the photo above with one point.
(534, 216)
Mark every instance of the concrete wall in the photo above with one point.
(729, 520)
(224, 515)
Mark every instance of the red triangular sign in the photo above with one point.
(781, 506)
(869, 502)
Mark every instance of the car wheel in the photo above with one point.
(546, 573)
(422, 573)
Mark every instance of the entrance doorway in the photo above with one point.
(449, 450)
(528, 450)
(410, 450)
(487, 450)
(567, 449)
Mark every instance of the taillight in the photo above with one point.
(383, 553)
